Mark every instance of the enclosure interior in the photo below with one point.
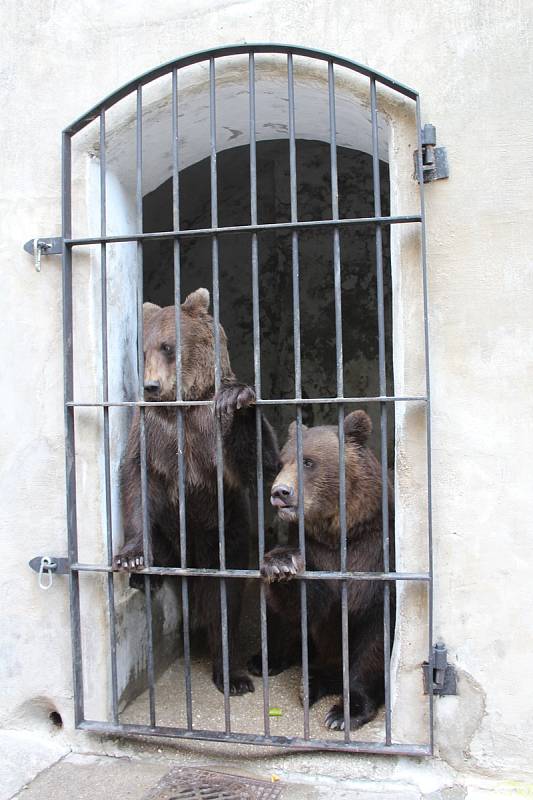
(316, 285)
(318, 346)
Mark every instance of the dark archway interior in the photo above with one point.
(358, 266)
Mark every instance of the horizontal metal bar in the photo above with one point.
(259, 739)
(289, 401)
(232, 50)
(254, 573)
(233, 229)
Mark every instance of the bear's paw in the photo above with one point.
(232, 397)
(334, 719)
(281, 564)
(239, 682)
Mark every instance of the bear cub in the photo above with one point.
(322, 536)
(233, 405)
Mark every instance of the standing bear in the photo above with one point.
(233, 406)
(322, 536)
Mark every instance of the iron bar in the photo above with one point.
(298, 387)
(232, 50)
(180, 409)
(254, 573)
(423, 249)
(219, 450)
(294, 743)
(70, 440)
(257, 382)
(105, 411)
(383, 407)
(287, 401)
(142, 421)
(340, 393)
(234, 229)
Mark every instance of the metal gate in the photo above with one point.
(347, 741)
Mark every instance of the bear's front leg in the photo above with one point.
(278, 568)
(236, 410)
(239, 680)
(130, 558)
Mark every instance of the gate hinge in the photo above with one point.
(47, 246)
(434, 159)
(444, 678)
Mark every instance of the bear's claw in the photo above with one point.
(281, 564)
(239, 683)
(128, 563)
(334, 719)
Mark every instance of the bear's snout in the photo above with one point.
(281, 495)
(152, 388)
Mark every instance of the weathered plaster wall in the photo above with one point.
(472, 64)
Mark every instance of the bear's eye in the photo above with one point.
(166, 349)
(308, 463)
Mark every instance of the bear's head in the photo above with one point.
(320, 475)
(197, 350)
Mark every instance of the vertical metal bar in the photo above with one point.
(70, 437)
(219, 450)
(428, 415)
(298, 386)
(383, 406)
(142, 435)
(340, 393)
(257, 381)
(179, 411)
(105, 398)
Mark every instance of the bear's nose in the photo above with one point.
(152, 387)
(280, 494)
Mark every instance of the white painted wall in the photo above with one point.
(472, 64)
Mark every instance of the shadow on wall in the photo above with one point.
(358, 267)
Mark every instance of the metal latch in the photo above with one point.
(444, 679)
(47, 567)
(43, 246)
(434, 159)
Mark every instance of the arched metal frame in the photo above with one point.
(349, 743)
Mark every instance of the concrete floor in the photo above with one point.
(246, 711)
(87, 777)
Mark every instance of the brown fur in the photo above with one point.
(364, 554)
(238, 427)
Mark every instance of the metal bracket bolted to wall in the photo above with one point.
(47, 567)
(434, 159)
(47, 246)
(444, 679)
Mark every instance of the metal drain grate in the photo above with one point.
(190, 783)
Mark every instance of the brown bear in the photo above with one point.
(233, 405)
(322, 534)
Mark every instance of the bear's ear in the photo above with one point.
(292, 429)
(197, 302)
(149, 309)
(358, 427)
